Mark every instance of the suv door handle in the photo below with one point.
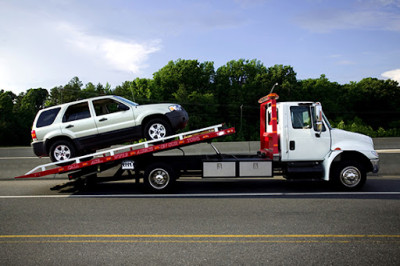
(69, 126)
(103, 119)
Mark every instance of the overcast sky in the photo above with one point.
(45, 43)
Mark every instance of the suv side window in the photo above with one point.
(300, 117)
(76, 112)
(107, 106)
(46, 118)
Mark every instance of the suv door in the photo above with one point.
(113, 118)
(78, 122)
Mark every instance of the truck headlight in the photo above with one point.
(175, 107)
(375, 153)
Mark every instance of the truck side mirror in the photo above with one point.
(318, 116)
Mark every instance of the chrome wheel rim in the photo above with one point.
(159, 178)
(350, 176)
(157, 131)
(62, 152)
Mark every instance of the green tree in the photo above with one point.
(330, 94)
(138, 90)
(285, 77)
(7, 118)
(189, 75)
(25, 110)
(376, 102)
(189, 83)
(239, 85)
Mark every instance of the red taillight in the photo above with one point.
(33, 134)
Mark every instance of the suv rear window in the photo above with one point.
(46, 118)
(76, 112)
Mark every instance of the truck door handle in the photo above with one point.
(103, 119)
(292, 145)
(69, 126)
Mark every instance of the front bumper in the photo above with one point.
(375, 165)
(178, 119)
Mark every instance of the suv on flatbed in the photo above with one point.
(81, 127)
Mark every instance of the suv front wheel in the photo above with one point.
(62, 150)
(157, 129)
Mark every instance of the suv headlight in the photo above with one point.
(175, 107)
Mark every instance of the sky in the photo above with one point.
(44, 44)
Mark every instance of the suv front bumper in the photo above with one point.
(178, 119)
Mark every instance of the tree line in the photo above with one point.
(228, 94)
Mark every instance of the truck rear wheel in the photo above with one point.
(349, 175)
(159, 177)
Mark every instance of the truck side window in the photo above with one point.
(106, 106)
(76, 112)
(301, 118)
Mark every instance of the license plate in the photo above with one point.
(128, 165)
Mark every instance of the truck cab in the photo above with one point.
(299, 138)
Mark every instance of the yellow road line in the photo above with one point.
(173, 241)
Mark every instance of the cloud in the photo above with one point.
(392, 74)
(125, 56)
(36, 53)
(328, 20)
(380, 3)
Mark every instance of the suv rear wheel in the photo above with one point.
(62, 150)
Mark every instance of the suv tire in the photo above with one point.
(157, 129)
(62, 150)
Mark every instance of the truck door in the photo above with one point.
(305, 142)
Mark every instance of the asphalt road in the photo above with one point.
(269, 222)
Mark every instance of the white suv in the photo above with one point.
(80, 127)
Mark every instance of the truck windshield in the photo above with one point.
(326, 121)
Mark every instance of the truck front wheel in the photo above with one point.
(349, 175)
(159, 177)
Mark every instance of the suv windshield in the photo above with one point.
(126, 101)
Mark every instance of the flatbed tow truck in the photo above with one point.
(296, 141)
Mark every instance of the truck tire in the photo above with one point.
(157, 129)
(159, 177)
(349, 175)
(62, 150)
